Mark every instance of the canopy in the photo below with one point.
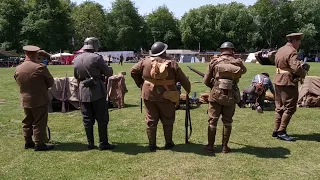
(61, 54)
(8, 53)
(251, 58)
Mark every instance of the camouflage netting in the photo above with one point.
(309, 92)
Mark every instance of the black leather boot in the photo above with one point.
(43, 147)
(282, 135)
(28, 143)
(90, 137)
(103, 136)
(275, 134)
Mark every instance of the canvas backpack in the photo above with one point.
(159, 69)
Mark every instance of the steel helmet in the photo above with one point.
(158, 48)
(91, 43)
(226, 45)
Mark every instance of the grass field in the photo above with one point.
(256, 155)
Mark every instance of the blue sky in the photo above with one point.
(178, 7)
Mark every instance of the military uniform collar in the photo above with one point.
(289, 44)
(28, 59)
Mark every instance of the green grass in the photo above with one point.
(256, 155)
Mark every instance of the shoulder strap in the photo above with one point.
(220, 59)
(85, 67)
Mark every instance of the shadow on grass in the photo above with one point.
(262, 152)
(307, 137)
(130, 148)
(134, 149)
(131, 105)
(69, 146)
(192, 148)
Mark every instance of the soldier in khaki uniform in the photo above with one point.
(34, 80)
(157, 76)
(222, 77)
(89, 69)
(289, 70)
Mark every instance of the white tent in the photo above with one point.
(203, 60)
(251, 58)
(181, 59)
(192, 59)
(58, 55)
(115, 55)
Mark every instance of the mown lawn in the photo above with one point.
(256, 155)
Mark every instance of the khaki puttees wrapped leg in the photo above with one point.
(225, 138)
(152, 137)
(211, 138)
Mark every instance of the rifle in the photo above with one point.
(64, 95)
(202, 75)
(196, 71)
(188, 120)
(49, 133)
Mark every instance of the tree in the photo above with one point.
(164, 27)
(275, 19)
(126, 27)
(198, 26)
(89, 21)
(308, 22)
(235, 23)
(48, 24)
(11, 16)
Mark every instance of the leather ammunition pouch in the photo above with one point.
(89, 82)
(225, 84)
(173, 96)
(223, 92)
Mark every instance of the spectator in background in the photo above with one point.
(305, 59)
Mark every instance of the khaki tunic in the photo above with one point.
(34, 80)
(286, 96)
(156, 105)
(215, 109)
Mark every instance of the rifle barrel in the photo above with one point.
(196, 71)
